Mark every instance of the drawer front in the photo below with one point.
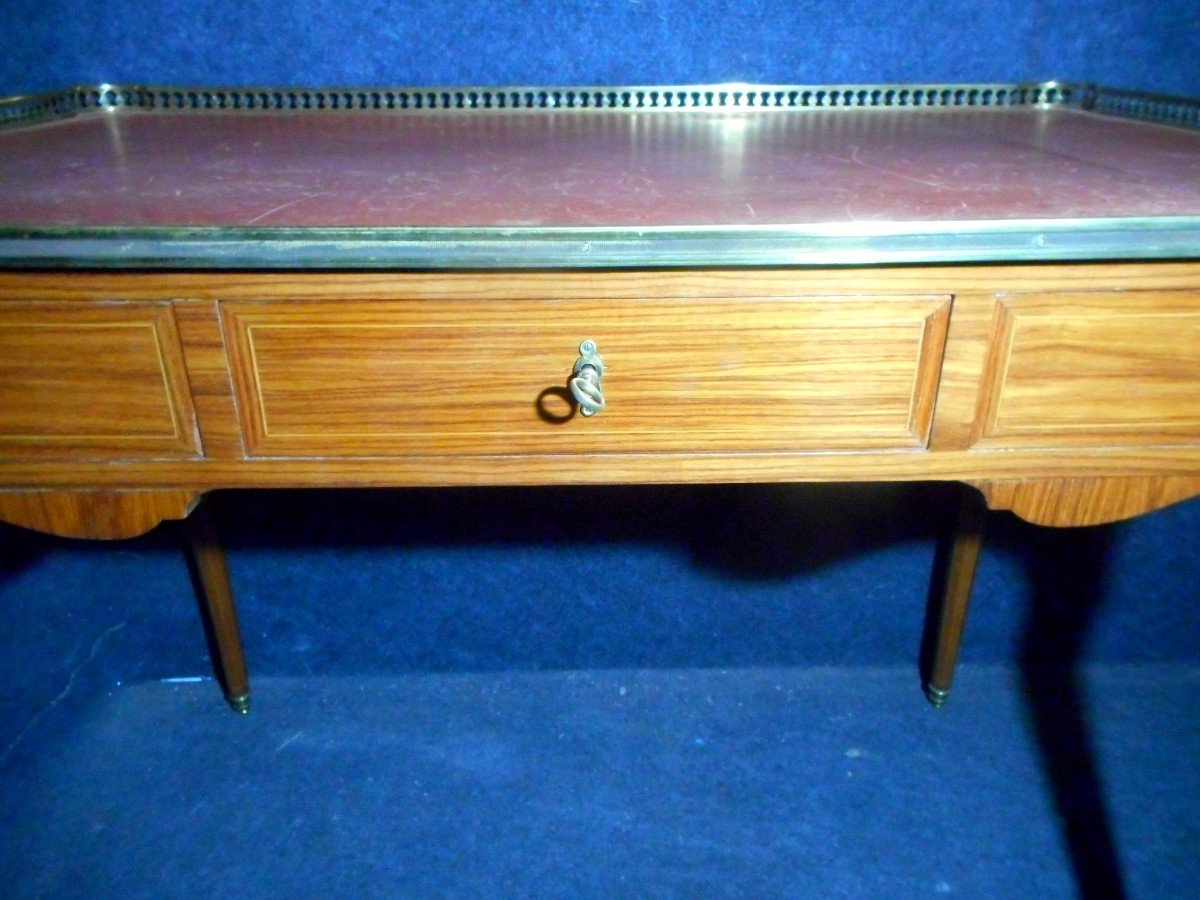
(93, 380)
(318, 378)
(1092, 370)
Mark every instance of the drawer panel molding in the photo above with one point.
(1092, 370)
(778, 374)
(93, 380)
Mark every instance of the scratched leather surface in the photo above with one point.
(593, 169)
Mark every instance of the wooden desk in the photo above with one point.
(996, 285)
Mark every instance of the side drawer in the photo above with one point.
(469, 376)
(1097, 369)
(93, 380)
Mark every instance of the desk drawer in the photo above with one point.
(93, 380)
(318, 378)
(1096, 369)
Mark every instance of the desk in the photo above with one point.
(992, 284)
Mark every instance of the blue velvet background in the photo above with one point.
(656, 577)
(1148, 45)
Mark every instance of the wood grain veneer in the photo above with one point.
(768, 375)
(203, 343)
(478, 377)
(101, 380)
(1088, 501)
(99, 515)
(1092, 369)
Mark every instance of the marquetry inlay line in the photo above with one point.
(229, 379)
(154, 328)
(176, 424)
(930, 340)
(260, 403)
(1106, 364)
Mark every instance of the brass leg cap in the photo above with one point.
(937, 698)
(240, 703)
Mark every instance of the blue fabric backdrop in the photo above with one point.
(1150, 45)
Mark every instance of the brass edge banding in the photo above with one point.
(438, 248)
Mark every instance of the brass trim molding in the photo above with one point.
(537, 247)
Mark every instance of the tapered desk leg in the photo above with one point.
(952, 596)
(216, 606)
